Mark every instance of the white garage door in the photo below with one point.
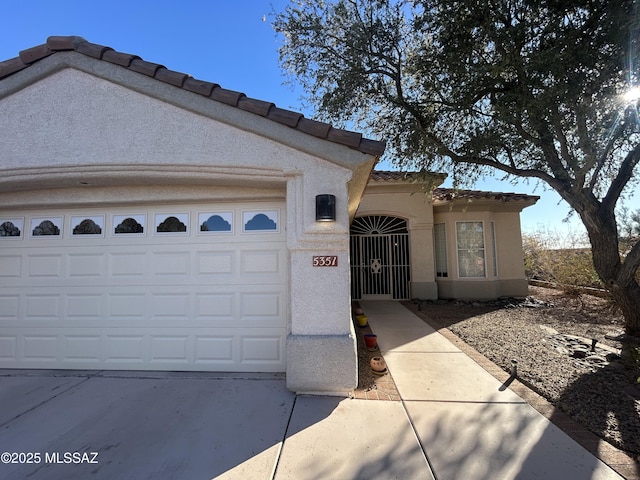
(190, 287)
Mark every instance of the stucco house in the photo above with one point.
(153, 221)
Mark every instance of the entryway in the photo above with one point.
(380, 266)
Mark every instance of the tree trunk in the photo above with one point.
(627, 297)
(607, 263)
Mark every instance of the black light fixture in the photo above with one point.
(325, 208)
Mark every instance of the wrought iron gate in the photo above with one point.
(380, 258)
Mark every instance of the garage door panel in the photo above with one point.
(86, 264)
(244, 306)
(131, 349)
(125, 349)
(83, 348)
(45, 265)
(127, 264)
(8, 348)
(210, 263)
(9, 308)
(126, 307)
(261, 349)
(169, 349)
(261, 306)
(215, 350)
(40, 348)
(85, 306)
(217, 307)
(255, 262)
(189, 301)
(10, 268)
(174, 263)
(42, 307)
(174, 305)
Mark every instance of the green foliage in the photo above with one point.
(531, 88)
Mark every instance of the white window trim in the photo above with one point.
(494, 249)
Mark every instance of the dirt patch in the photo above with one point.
(371, 386)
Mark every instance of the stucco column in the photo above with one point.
(423, 284)
(321, 345)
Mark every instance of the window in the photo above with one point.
(440, 244)
(471, 255)
(260, 221)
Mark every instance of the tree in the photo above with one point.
(530, 88)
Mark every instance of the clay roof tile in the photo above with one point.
(345, 137)
(34, 54)
(450, 194)
(122, 59)
(259, 107)
(11, 66)
(59, 43)
(372, 147)
(286, 117)
(92, 49)
(314, 127)
(170, 76)
(144, 67)
(230, 97)
(199, 86)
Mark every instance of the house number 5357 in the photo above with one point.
(325, 261)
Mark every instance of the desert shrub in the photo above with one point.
(563, 261)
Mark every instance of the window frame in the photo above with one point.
(440, 252)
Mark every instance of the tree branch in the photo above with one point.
(625, 173)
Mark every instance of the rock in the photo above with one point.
(615, 336)
(599, 359)
(612, 357)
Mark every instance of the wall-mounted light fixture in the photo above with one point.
(325, 208)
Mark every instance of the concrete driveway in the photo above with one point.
(144, 425)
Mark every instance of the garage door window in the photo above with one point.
(219, 222)
(260, 221)
(49, 227)
(11, 228)
(172, 223)
(87, 225)
(129, 225)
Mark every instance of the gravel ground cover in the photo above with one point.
(550, 334)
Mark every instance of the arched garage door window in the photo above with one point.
(380, 258)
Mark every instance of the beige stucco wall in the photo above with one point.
(100, 133)
(404, 199)
(510, 279)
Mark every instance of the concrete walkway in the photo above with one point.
(469, 424)
(455, 422)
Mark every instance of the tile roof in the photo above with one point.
(210, 90)
(448, 194)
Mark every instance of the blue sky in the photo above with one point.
(222, 41)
